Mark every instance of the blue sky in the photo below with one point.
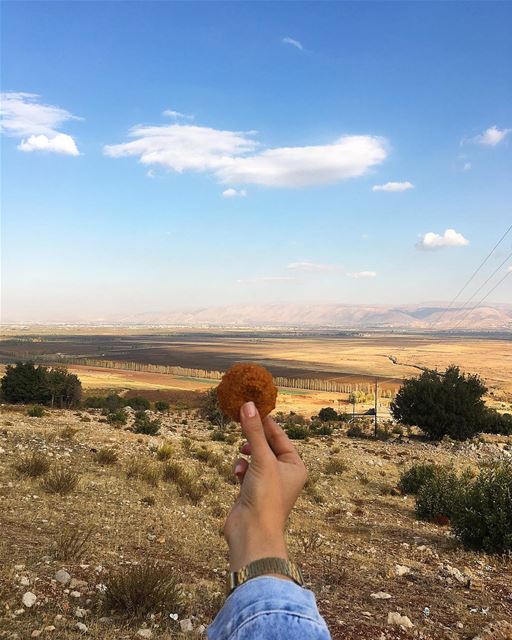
(322, 152)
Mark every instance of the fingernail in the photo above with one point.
(249, 409)
(238, 469)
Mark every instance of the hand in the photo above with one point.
(270, 486)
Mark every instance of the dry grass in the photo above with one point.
(61, 480)
(32, 464)
(335, 466)
(346, 532)
(138, 590)
(106, 456)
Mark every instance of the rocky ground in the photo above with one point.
(378, 573)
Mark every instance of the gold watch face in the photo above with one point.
(265, 566)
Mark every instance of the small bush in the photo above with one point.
(145, 425)
(383, 433)
(71, 544)
(327, 414)
(322, 430)
(311, 489)
(218, 436)
(165, 451)
(60, 480)
(438, 496)
(297, 432)
(162, 406)
(139, 590)
(33, 465)
(138, 403)
(482, 518)
(172, 471)
(36, 411)
(143, 469)
(335, 466)
(106, 456)
(416, 476)
(68, 433)
(187, 486)
(117, 417)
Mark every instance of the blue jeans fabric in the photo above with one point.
(267, 608)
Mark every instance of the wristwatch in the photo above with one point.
(262, 567)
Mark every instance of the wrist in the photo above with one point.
(247, 548)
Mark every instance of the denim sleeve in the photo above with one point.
(266, 608)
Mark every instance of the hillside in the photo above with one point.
(356, 538)
(418, 317)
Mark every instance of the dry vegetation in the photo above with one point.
(118, 535)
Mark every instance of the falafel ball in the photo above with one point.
(244, 382)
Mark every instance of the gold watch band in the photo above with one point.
(262, 567)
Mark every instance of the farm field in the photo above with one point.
(344, 358)
(353, 533)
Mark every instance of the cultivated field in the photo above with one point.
(362, 550)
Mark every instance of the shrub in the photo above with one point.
(322, 429)
(94, 402)
(438, 496)
(106, 456)
(218, 436)
(209, 408)
(448, 403)
(383, 433)
(33, 465)
(495, 422)
(482, 518)
(162, 406)
(71, 543)
(186, 485)
(143, 469)
(165, 451)
(36, 411)
(356, 431)
(335, 466)
(60, 480)
(145, 425)
(138, 403)
(416, 476)
(139, 590)
(68, 433)
(117, 417)
(327, 414)
(26, 383)
(297, 432)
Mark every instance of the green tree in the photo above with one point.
(65, 388)
(327, 414)
(210, 410)
(25, 383)
(448, 403)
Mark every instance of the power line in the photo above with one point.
(482, 299)
(470, 279)
(484, 283)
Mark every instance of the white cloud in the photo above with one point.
(293, 42)
(362, 274)
(467, 166)
(233, 156)
(170, 113)
(268, 279)
(61, 143)
(312, 267)
(492, 136)
(233, 193)
(23, 116)
(393, 186)
(450, 238)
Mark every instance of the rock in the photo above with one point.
(19, 612)
(74, 583)
(394, 618)
(29, 599)
(62, 576)
(380, 595)
(201, 629)
(186, 625)
(456, 574)
(402, 570)
(50, 628)
(459, 625)
(24, 581)
(83, 628)
(80, 613)
(36, 633)
(75, 594)
(145, 633)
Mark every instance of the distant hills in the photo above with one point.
(492, 317)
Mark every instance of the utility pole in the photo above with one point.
(375, 408)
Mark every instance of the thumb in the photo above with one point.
(252, 429)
